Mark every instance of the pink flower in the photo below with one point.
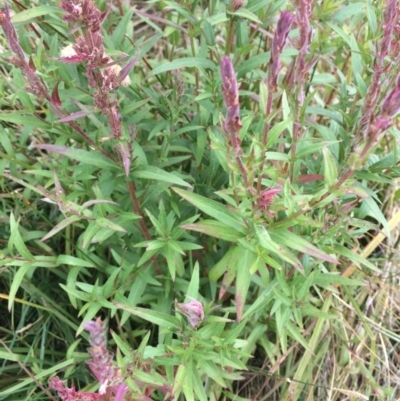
(193, 310)
(267, 197)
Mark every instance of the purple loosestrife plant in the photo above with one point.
(390, 20)
(232, 123)
(34, 84)
(230, 91)
(102, 366)
(278, 43)
(301, 69)
(390, 107)
(303, 14)
(104, 76)
(261, 212)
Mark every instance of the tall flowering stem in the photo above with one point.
(101, 71)
(278, 43)
(390, 18)
(101, 362)
(371, 126)
(104, 76)
(232, 122)
(301, 67)
(303, 14)
(112, 386)
(282, 30)
(34, 84)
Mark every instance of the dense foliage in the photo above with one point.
(210, 184)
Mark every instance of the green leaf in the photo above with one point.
(136, 291)
(233, 335)
(291, 240)
(101, 235)
(211, 370)
(282, 315)
(183, 11)
(109, 225)
(60, 226)
(229, 259)
(93, 158)
(16, 240)
(143, 344)
(122, 345)
(155, 173)
(198, 62)
(306, 147)
(193, 288)
(294, 332)
(276, 249)
(213, 209)
(313, 311)
(371, 17)
(16, 282)
(252, 63)
(35, 12)
(275, 132)
(122, 27)
(215, 229)
(150, 378)
(187, 385)
(376, 213)
(152, 316)
(26, 120)
(262, 300)
(174, 261)
(325, 279)
(330, 169)
(73, 261)
(263, 98)
(243, 277)
(21, 118)
(34, 379)
(198, 386)
(355, 257)
(245, 13)
(178, 382)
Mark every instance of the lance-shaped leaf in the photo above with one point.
(152, 316)
(60, 226)
(243, 278)
(214, 209)
(215, 229)
(93, 158)
(293, 241)
(155, 173)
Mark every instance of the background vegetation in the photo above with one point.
(218, 181)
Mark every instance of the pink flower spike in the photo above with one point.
(193, 310)
(267, 197)
(230, 91)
